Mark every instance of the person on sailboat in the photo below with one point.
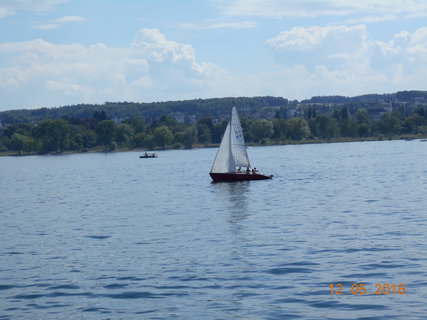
(239, 170)
(254, 171)
(248, 170)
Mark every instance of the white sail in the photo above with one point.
(238, 148)
(232, 151)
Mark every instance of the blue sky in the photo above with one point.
(63, 52)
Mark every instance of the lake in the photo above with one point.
(112, 236)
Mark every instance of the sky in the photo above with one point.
(64, 52)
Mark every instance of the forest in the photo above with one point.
(186, 124)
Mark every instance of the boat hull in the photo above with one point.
(229, 177)
(149, 155)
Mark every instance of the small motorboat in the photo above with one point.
(149, 155)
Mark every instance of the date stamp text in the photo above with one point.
(363, 289)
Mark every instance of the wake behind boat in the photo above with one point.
(232, 156)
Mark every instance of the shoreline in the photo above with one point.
(216, 145)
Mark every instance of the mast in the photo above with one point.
(230, 150)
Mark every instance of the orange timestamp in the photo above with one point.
(360, 288)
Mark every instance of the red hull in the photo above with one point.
(227, 177)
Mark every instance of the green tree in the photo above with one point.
(364, 123)
(298, 128)
(19, 143)
(362, 116)
(105, 130)
(63, 130)
(348, 128)
(124, 134)
(324, 127)
(138, 140)
(165, 120)
(421, 112)
(24, 129)
(162, 136)
(187, 137)
(54, 135)
(389, 124)
(191, 136)
(311, 112)
(89, 139)
(282, 113)
(414, 124)
(363, 130)
(76, 141)
(204, 133)
(261, 129)
(143, 140)
(280, 128)
(99, 116)
(137, 123)
(208, 121)
(179, 139)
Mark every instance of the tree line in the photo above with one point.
(84, 134)
(219, 108)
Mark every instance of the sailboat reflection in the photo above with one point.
(237, 196)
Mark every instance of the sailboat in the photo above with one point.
(232, 156)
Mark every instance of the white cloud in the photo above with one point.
(38, 73)
(373, 19)
(4, 12)
(48, 26)
(212, 24)
(158, 49)
(68, 88)
(334, 46)
(408, 48)
(57, 23)
(343, 60)
(314, 8)
(68, 19)
(310, 61)
(403, 59)
(10, 7)
(332, 38)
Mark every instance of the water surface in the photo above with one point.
(95, 236)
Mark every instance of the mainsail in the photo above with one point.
(232, 151)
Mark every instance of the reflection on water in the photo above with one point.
(237, 197)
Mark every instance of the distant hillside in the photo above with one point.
(189, 111)
(401, 96)
(182, 124)
(184, 111)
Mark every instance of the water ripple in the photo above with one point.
(344, 306)
(110, 237)
(98, 237)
